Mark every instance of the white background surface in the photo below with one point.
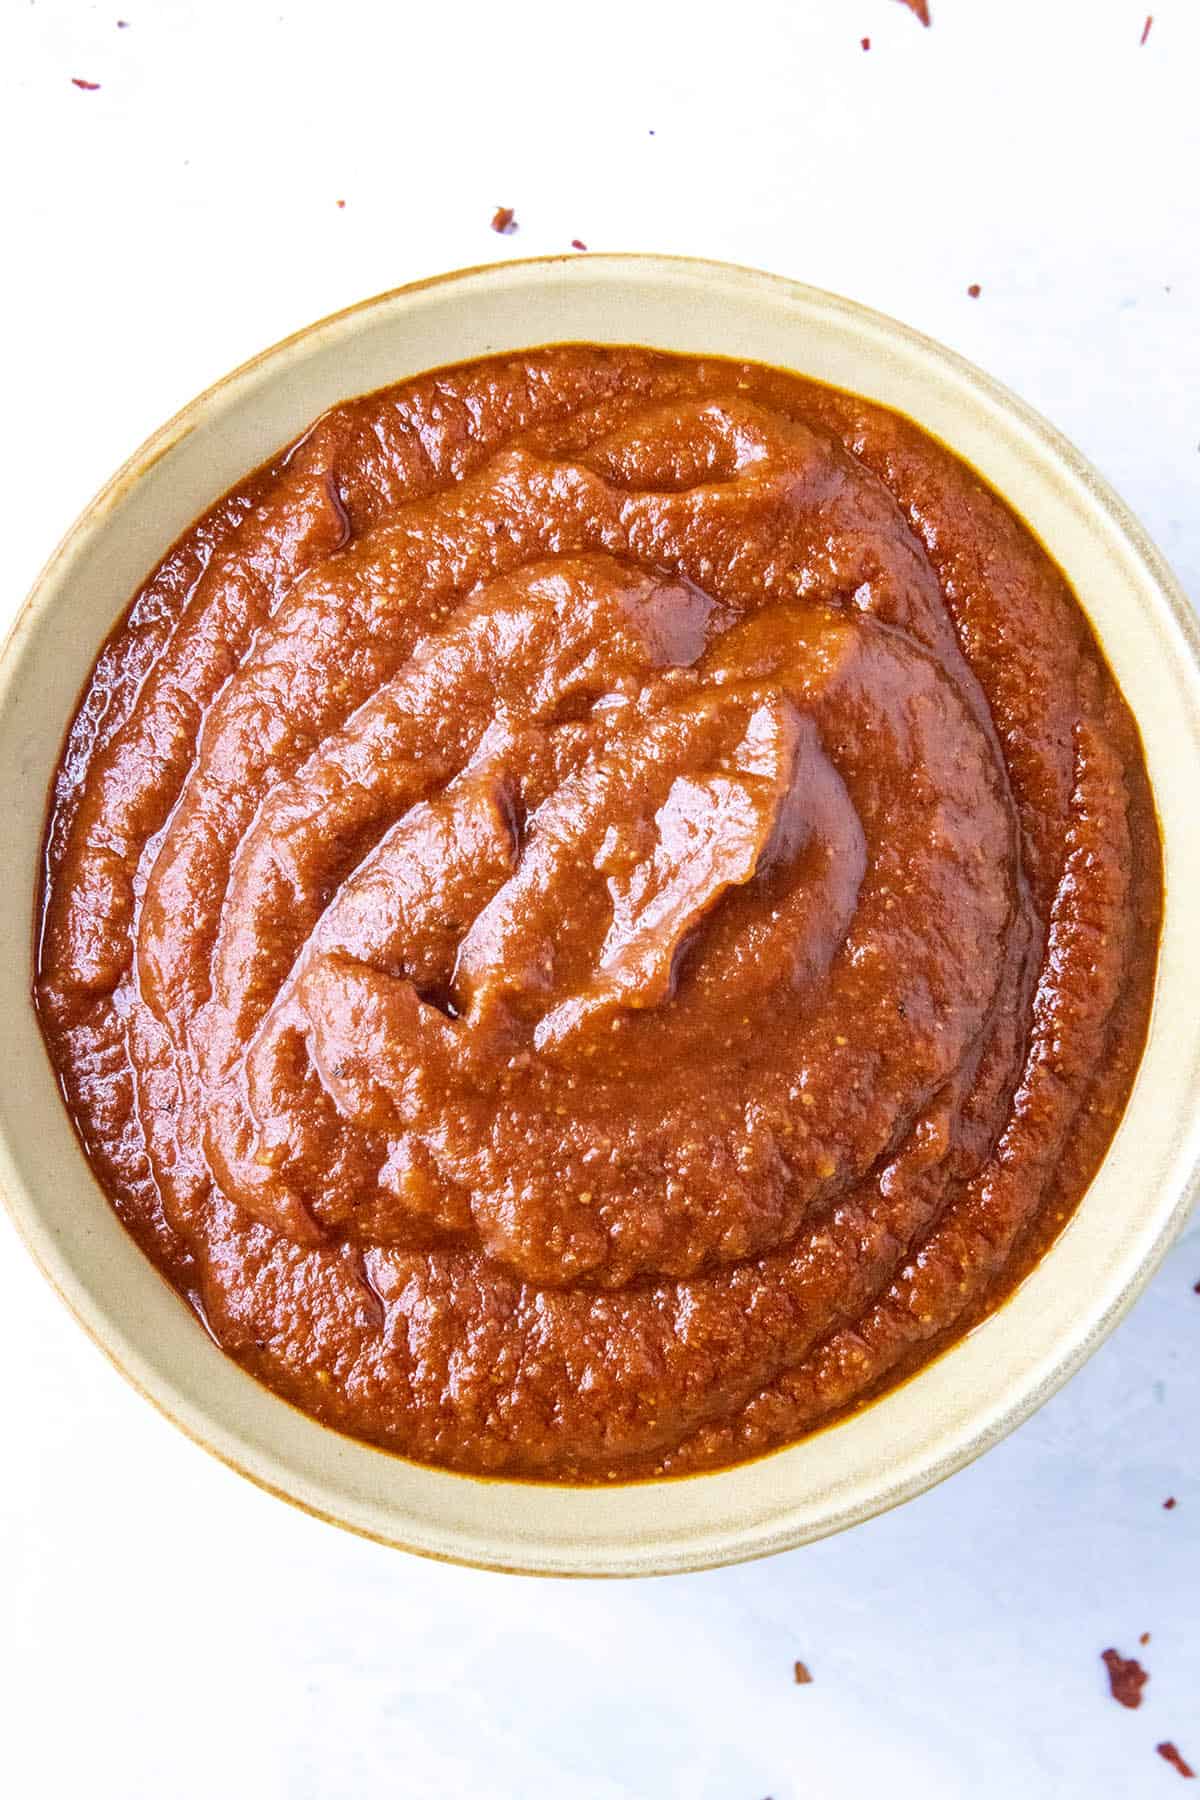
(168, 1632)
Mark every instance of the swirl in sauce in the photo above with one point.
(599, 911)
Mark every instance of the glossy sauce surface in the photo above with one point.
(598, 911)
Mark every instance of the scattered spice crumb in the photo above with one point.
(1126, 1677)
(1170, 1754)
(1170, 1503)
(1196, 1289)
(1145, 1638)
(578, 244)
(803, 1677)
(504, 220)
(122, 24)
(1146, 27)
(89, 87)
(866, 43)
(920, 8)
(341, 203)
(974, 290)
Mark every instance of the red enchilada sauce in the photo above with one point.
(598, 912)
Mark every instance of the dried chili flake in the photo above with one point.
(1146, 27)
(1170, 1503)
(802, 1675)
(89, 87)
(504, 220)
(578, 244)
(1170, 1754)
(974, 290)
(340, 203)
(866, 43)
(920, 8)
(1145, 1638)
(1126, 1677)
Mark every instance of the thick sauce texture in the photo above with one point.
(598, 911)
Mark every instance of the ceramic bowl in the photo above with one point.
(956, 1407)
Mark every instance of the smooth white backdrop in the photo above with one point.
(167, 1632)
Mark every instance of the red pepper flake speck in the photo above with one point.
(974, 290)
(1126, 1677)
(504, 220)
(122, 24)
(866, 43)
(341, 203)
(1145, 1638)
(920, 8)
(1170, 1504)
(578, 244)
(1170, 1754)
(1146, 27)
(803, 1677)
(89, 87)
